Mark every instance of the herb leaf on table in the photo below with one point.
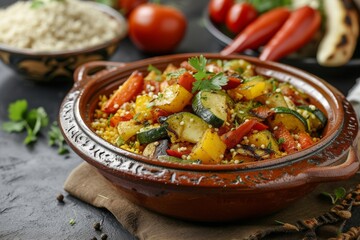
(21, 118)
(56, 138)
(338, 194)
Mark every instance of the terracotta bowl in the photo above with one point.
(212, 192)
(46, 66)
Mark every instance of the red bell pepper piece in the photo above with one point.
(283, 135)
(186, 80)
(298, 30)
(233, 82)
(258, 32)
(114, 120)
(177, 154)
(305, 140)
(157, 113)
(152, 83)
(127, 91)
(234, 137)
(262, 112)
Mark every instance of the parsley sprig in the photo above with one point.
(21, 118)
(205, 79)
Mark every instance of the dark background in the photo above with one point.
(32, 177)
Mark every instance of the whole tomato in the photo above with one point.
(239, 16)
(218, 10)
(126, 6)
(156, 28)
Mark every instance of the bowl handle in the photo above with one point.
(94, 70)
(331, 173)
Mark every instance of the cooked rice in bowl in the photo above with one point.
(55, 25)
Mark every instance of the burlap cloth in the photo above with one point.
(87, 184)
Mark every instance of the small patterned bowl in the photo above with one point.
(46, 66)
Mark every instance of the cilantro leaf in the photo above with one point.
(56, 138)
(218, 81)
(199, 63)
(23, 119)
(14, 126)
(17, 110)
(204, 79)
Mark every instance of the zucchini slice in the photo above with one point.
(291, 119)
(147, 135)
(315, 118)
(264, 139)
(211, 106)
(185, 126)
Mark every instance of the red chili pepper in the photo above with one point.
(233, 137)
(298, 30)
(258, 32)
(127, 91)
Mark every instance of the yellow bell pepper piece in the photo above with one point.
(210, 149)
(173, 99)
(127, 129)
(252, 89)
(142, 110)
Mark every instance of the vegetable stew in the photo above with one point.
(208, 111)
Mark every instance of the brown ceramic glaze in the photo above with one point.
(212, 192)
(45, 66)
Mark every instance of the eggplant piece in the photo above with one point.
(156, 149)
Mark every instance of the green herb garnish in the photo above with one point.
(21, 118)
(157, 72)
(204, 79)
(338, 194)
(176, 74)
(56, 138)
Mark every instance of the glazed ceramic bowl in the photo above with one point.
(46, 66)
(212, 192)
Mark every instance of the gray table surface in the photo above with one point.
(32, 177)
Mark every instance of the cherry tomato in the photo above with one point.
(156, 28)
(126, 6)
(218, 9)
(239, 16)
